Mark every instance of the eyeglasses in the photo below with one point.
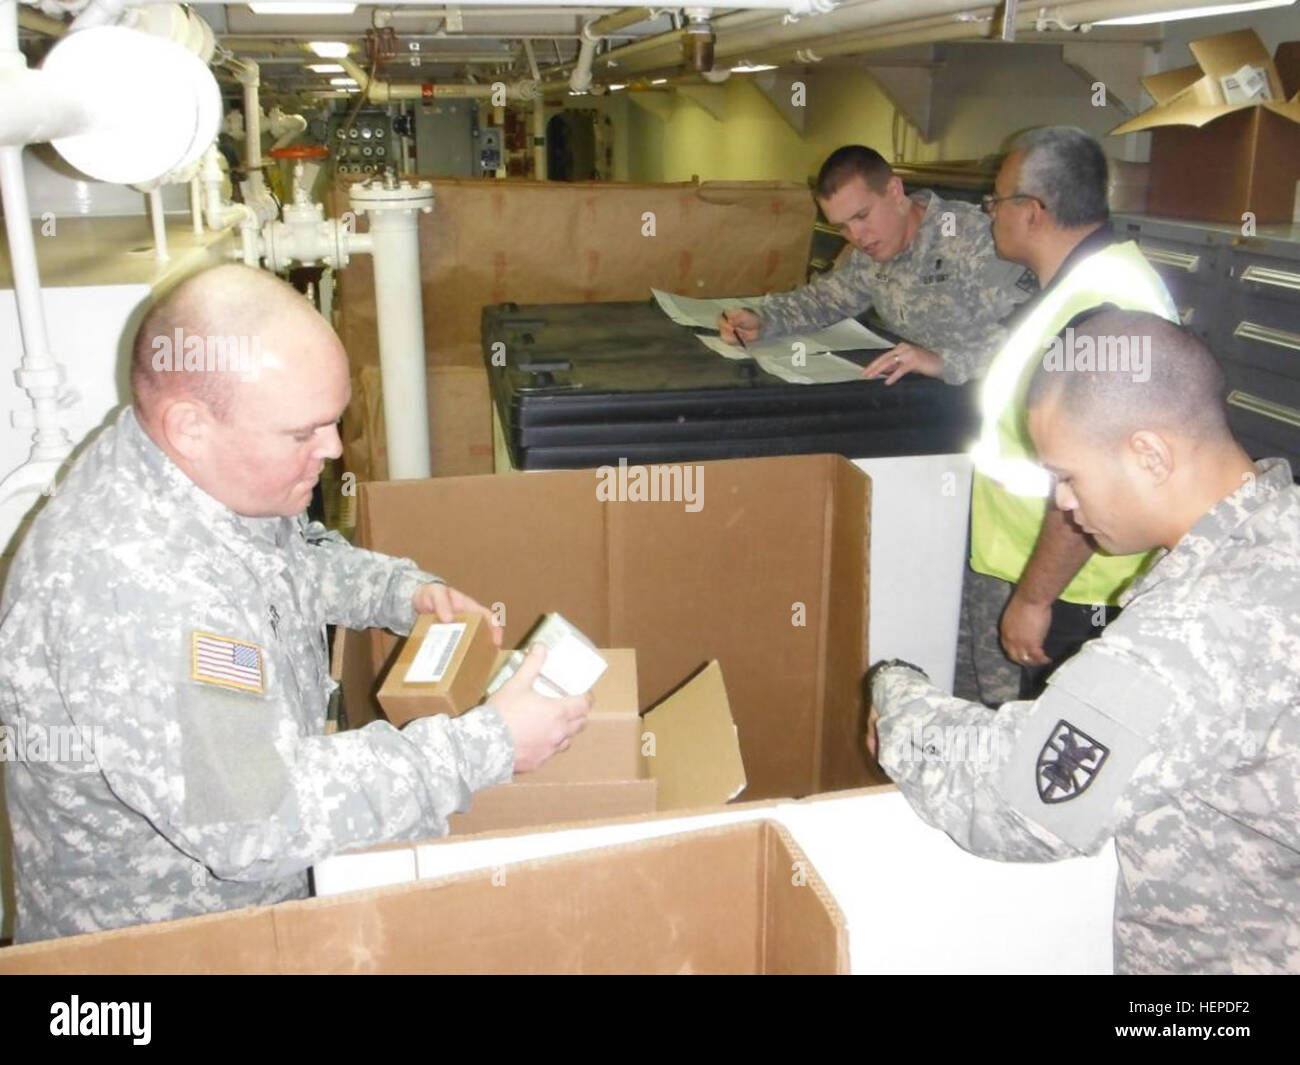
(989, 203)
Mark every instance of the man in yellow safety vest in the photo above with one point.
(1037, 585)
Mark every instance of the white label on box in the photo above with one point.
(1245, 84)
(434, 655)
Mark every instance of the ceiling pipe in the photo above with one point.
(382, 92)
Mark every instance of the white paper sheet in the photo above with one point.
(703, 314)
(816, 369)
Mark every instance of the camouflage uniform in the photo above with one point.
(1175, 732)
(210, 787)
(947, 291)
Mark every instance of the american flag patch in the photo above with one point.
(230, 663)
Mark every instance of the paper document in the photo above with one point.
(727, 351)
(818, 369)
(848, 335)
(702, 314)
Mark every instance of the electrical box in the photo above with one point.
(366, 146)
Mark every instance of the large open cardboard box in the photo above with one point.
(768, 577)
(739, 899)
(1216, 160)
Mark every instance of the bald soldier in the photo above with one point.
(927, 265)
(1176, 731)
(170, 603)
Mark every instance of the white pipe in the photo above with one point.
(39, 106)
(196, 204)
(98, 13)
(221, 215)
(250, 76)
(159, 224)
(580, 79)
(532, 60)
(40, 376)
(9, 30)
(539, 138)
(400, 315)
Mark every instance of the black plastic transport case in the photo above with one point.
(588, 384)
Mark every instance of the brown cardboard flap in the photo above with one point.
(1164, 86)
(1224, 53)
(696, 754)
(736, 899)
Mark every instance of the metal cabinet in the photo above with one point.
(1241, 295)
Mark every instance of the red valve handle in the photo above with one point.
(301, 151)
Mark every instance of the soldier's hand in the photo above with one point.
(540, 725)
(1023, 630)
(446, 602)
(739, 325)
(904, 359)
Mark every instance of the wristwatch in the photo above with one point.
(890, 663)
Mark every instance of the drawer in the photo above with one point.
(1263, 429)
(1267, 276)
(1269, 396)
(1265, 334)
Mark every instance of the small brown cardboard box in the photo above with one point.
(1216, 160)
(684, 753)
(441, 669)
(717, 901)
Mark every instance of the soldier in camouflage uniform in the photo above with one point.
(170, 601)
(1175, 731)
(926, 264)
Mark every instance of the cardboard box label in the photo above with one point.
(434, 656)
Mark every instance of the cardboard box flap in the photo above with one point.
(696, 753)
(1168, 84)
(1286, 61)
(1289, 110)
(1224, 53)
(1179, 113)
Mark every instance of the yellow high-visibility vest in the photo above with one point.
(1010, 491)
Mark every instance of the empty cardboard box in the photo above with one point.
(1225, 136)
(768, 577)
(442, 668)
(723, 900)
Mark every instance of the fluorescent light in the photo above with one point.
(325, 68)
(329, 49)
(302, 9)
(343, 81)
(751, 68)
(1192, 12)
(658, 81)
(615, 88)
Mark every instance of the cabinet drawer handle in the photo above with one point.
(1266, 275)
(1279, 412)
(1279, 338)
(1180, 260)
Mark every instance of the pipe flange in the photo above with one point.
(375, 196)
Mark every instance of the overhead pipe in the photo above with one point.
(383, 92)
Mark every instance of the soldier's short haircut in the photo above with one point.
(1180, 388)
(1066, 169)
(225, 303)
(848, 162)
